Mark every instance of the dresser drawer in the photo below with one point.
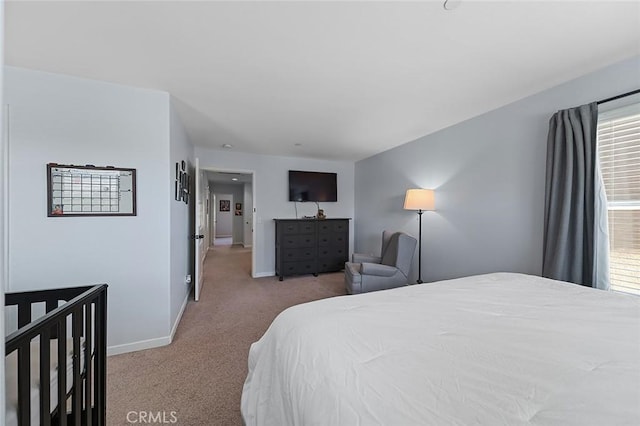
(333, 226)
(299, 254)
(298, 228)
(297, 241)
(332, 239)
(296, 268)
(340, 226)
(289, 228)
(332, 252)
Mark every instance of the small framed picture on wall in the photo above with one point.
(225, 205)
(238, 209)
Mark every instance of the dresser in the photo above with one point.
(311, 246)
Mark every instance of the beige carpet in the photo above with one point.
(200, 375)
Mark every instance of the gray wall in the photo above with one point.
(488, 173)
(272, 193)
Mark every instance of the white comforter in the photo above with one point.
(498, 349)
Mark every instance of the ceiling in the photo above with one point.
(227, 177)
(333, 80)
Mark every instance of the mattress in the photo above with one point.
(11, 379)
(497, 349)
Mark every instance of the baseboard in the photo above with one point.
(151, 343)
(179, 317)
(264, 274)
(246, 245)
(138, 346)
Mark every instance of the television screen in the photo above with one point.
(312, 186)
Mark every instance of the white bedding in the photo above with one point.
(11, 379)
(497, 349)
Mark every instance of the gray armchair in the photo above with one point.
(370, 273)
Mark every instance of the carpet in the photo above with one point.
(197, 379)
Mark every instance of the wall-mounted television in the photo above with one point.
(312, 186)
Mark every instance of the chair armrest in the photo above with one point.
(365, 258)
(378, 269)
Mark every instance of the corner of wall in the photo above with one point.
(3, 207)
(180, 223)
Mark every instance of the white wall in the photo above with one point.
(228, 223)
(272, 193)
(181, 245)
(489, 176)
(56, 118)
(224, 219)
(3, 205)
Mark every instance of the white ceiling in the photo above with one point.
(227, 177)
(345, 80)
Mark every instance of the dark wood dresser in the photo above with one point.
(311, 246)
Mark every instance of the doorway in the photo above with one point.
(223, 222)
(232, 211)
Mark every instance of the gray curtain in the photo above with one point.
(576, 246)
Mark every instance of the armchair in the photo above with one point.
(369, 258)
(370, 273)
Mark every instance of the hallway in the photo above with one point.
(200, 375)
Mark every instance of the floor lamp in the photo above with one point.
(420, 200)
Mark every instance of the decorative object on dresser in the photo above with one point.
(421, 200)
(311, 246)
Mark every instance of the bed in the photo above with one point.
(62, 381)
(496, 349)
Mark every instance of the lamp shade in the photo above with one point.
(419, 199)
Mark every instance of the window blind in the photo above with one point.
(619, 155)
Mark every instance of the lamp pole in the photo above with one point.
(419, 200)
(420, 246)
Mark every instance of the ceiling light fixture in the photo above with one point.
(234, 179)
(451, 4)
(227, 146)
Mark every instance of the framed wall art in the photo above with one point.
(90, 191)
(182, 184)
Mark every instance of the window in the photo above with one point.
(619, 154)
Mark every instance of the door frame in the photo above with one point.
(214, 218)
(253, 213)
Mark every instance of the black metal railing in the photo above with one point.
(85, 308)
